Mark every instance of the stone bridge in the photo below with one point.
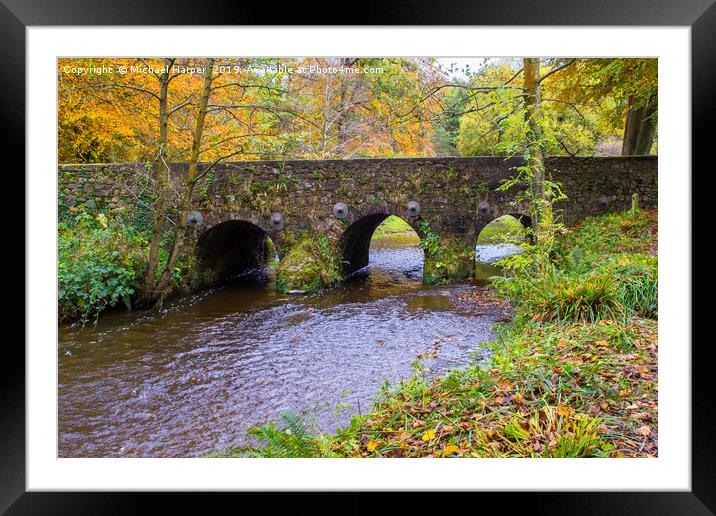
(320, 215)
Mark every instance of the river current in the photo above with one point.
(193, 377)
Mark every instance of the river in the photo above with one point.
(193, 377)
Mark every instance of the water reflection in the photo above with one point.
(486, 257)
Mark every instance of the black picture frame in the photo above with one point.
(17, 15)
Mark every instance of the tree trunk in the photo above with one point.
(190, 181)
(162, 179)
(648, 127)
(535, 157)
(343, 110)
(640, 127)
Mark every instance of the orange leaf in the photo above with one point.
(644, 430)
(562, 410)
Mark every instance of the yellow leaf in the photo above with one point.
(602, 343)
(450, 449)
(429, 434)
(562, 410)
(102, 219)
(372, 445)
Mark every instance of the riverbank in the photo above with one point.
(393, 227)
(573, 375)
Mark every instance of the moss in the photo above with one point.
(260, 187)
(310, 265)
(480, 187)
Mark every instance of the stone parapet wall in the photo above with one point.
(448, 189)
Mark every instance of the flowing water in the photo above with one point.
(192, 378)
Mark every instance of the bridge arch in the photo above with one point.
(494, 230)
(497, 239)
(231, 248)
(355, 240)
(523, 219)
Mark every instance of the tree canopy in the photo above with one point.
(332, 108)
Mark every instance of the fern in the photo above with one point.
(292, 439)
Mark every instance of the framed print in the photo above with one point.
(463, 237)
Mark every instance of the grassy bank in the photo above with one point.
(573, 375)
(499, 230)
(393, 226)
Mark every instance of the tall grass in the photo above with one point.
(638, 283)
(589, 275)
(558, 296)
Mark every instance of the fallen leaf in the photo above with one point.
(428, 435)
(644, 430)
(562, 410)
(372, 445)
(450, 449)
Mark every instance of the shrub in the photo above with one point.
(100, 264)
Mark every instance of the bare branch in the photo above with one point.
(515, 76)
(181, 105)
(570, 104)
(555, 70)
(216, 162)
(561, 143)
